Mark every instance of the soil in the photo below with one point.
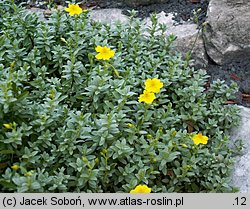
(238, 72)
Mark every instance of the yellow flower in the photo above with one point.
(73, 9)
(8, 125)
(105, 53)
(153, 85)
(147, 97)
(200, 139)
(15, 167)
(141, 189)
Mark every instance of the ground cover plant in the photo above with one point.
(93, 107)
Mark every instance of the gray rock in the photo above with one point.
(108, 15)
(227, 34)
(241, 173)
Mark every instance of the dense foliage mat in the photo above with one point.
(71, 119)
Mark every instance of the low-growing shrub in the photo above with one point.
(70, 114)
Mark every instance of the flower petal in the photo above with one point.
(98, 49)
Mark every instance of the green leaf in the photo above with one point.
(6, 152)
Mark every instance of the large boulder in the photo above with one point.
(227, 34)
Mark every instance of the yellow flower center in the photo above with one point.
(105, 50)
